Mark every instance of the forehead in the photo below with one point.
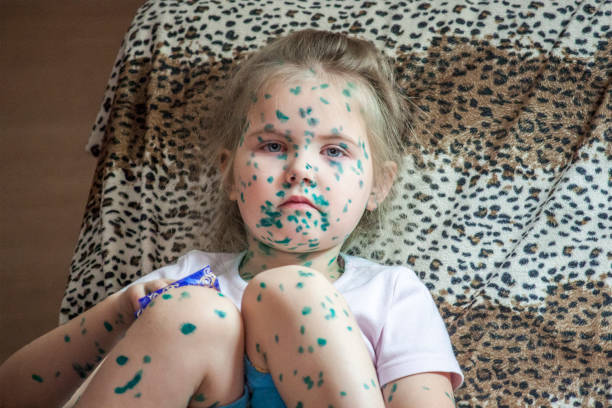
(319, 102)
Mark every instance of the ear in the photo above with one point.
(382, 187)
(228, 185)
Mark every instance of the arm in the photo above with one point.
(420, 390)
(49, 369)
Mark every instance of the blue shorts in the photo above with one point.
(259, 390)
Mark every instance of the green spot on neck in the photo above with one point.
(122, 360)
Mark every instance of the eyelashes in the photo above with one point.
(272, 147)
(331, 151)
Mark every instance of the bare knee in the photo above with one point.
(276, 301)
(190, 314)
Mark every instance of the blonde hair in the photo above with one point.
(299, 55)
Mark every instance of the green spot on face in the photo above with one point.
(270, 179)
(122, 360)
(108, 326)
(146, 359)
(324, 86)
(130, 384)
(346, 93)
(306, 310)
(67, 338)
(199, 398)
(37, 378)
(259, 297)
(138, 395)
(166, 296)
(267, 96)
(300, 285)
(187, 328)
(302, 329)
(342, 393)
(321, 342)
(220, 313)
(185, 295)
(325, 101)
(262, 285)
(281, 116)
(296, 90)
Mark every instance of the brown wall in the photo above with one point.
(55, 59)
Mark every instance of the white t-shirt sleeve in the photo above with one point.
(183, 267)
(414, 338)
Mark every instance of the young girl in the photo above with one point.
(309, 137)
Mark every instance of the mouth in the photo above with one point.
(298, 203)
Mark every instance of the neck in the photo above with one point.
(260, 257)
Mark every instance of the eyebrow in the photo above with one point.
(340, 136)
(326, 136)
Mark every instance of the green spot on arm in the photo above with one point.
(130, 384)
(37, 378)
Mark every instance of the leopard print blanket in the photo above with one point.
(505, 203)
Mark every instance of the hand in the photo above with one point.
(129, 298)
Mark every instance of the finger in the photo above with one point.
(157, 284)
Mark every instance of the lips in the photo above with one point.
(298, 202)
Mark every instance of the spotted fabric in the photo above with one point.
(504, 203)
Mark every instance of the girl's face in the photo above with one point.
(303, 170)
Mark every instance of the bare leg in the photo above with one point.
(185, 350)
(300, 329)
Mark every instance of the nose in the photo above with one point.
(300, 171)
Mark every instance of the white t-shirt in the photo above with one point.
(398, 318)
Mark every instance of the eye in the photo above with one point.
(272, 147)
(334, 151)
